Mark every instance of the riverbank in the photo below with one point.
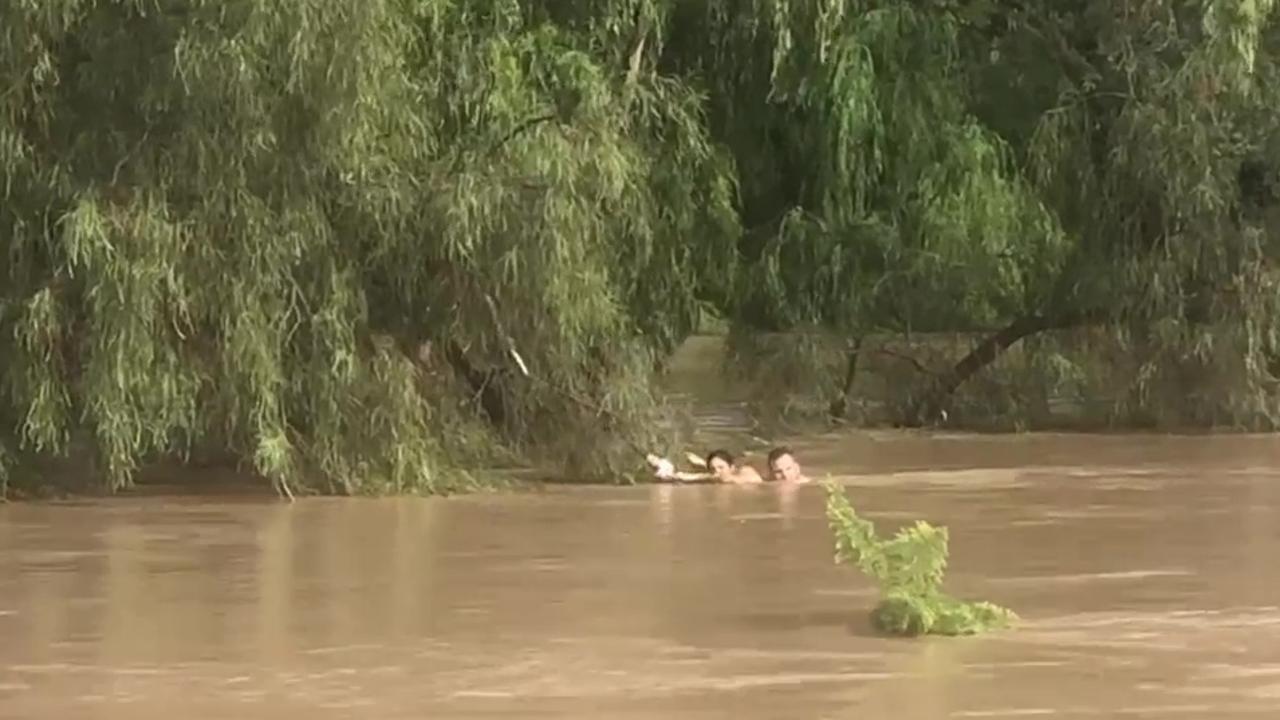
(1083, 380)
(863, 456)
(716, 403)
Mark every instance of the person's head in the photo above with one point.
(783, 465)
(720, 462)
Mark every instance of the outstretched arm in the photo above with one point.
(666, 470)
(689, 476)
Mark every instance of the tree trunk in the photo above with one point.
(481, 383)
(840, 405)
(931, 406)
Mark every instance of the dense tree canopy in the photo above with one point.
(1020, 167)
(245, 220)
(359, 243)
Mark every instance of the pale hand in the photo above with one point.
(662, 467)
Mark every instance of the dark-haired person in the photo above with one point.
(724, 468)
(721, 467)
(783, 466)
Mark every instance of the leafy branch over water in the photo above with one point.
(908, 569)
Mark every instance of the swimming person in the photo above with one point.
(725, 469)
(721, 467)
(783, 466)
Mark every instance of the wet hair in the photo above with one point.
(722, 454)
(776, 453)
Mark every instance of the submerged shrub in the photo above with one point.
(908, 568)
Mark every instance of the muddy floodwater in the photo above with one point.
(1146, 571)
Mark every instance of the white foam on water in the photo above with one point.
(342, 648)
(1010, 712)
(51, 668)
(742, 682)
(969, 478)
(1239, 671)
(1018, 664)
(1042, 712)
(1087, 577)
(757, 516)
(863, 592)
(1101, 514)
(14, 687)
(352, 703)
(1266, 691)
(798, 654)
(1149, 709)
(139, 671)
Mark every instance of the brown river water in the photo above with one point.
(1144, 569)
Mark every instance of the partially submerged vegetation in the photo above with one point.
(908, 569)
(364, 247)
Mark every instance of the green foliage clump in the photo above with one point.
(1012, 169)
(358, 245)
(908, 569)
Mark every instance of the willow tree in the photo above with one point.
(1154, 139)
(315, 233)
(873, 197)
(1019, 167)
